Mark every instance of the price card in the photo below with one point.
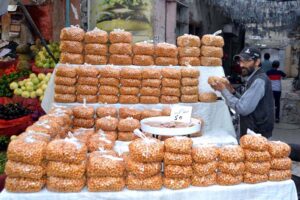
(181, 113)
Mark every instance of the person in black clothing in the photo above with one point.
(275, 76)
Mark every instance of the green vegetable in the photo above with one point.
(3, 160)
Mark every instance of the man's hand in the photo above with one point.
(229, 87)
(219, 86)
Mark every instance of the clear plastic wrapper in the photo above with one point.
(71, 47)
(146, 150)
(281, 163)
(143, 60)
(171, 73)
(130, 82)
(108, 90)
(66, 71)
(166, 61)
(59, 80)
(65, 98)
(95, 59)
(256, 156)
(87, 89)
(106, 111)
(190, 72)
(168, 91)
(150, 91)
(87, 81)
(117, 59)
(61, 109)
(231, 153)
(120, 48)
(189, 98)
(257, 167)
(188, 51)
(131, 73)
(280, 175)
(177, 159)
(62, 119)
(233, 168)
(83, 134)
(128, 124)
(58, 184)
(101, 141)
(169, 99)
(179, 145)
(120, 36)
(22, 170)
(125, 112)
(176, 183)
(151, 73)
(71, 58)
(83, 123)
(188, 40)
(72, 33)
(110, 99)
(109, 81)
(187, 81)
(24, 184)
(129, 99)
(228, 179)
(189, 90)
(142, 170)
(109, 72)
(143, 48)
(107, 123)
(255, 178)
(210, 61)
(204, 181)
(149, 100)
(66, 170)
(49, 127)
(129, 90)
(254, 142)
(89, 98)
(105, 184)
(189, 61)
(168, 82)
(279, 149)
(210, 51)
(85, 112)
(147, 113)
(96, 36)
(205, 153)
(151, 183)
(64, 89)
(96, 49)
(40, 136)
(212, 80)
(165, 50)
(201, 169)
(208, 97)
(126, 136)
(177, 171)
(87, 71)
(212, 40)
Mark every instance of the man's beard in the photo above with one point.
(247, 71)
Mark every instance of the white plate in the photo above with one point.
(169, 131)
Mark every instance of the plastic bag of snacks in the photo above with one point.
(179, 145)
(234, 168)
(83, 134)
(128, 124)
(105, 184)
(203, 181)
(176, 183)
(254, 142)
(85, 112)
(231, 153)
(107, 123)
(66, 170)
(205, 169)
(279, 149)
(35, 135)
(177, 159)
(100, 140)
(205, 153)
(255, 178)
(45, 126)
(228, 179)
(106, 111)
(258, 167)
(18, 169)
(57, 184)
(151, 183)
(177, 171)
(142, 170)
(24, 184)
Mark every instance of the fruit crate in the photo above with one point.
(38, 70)
(15, 126)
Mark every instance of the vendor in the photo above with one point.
(256, 105)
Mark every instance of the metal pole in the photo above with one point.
(68, 13)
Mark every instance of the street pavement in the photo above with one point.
(289, 133)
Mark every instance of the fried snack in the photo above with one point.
(28, 151)
(166, 111)
(128, 125)
(233, 168)
(151, 183)
(189, 61)
(87, 71)
(83, 123)
(143, 60)
(71, 47)
(169, 99)
(279, 149)
(107, 123)
(129, 99)
(177, 159)
(109, 81)
(254, 142)
(154, 83)
(120, 36)
(146, 150)
(35, 135)
(228, 179)
(129, 90)
(96, 36)
(176, 183)
(255, 178)
(189, 82)
(85, 112)
(95, 49)
(106, 111)
(256, 156)
(61, 119)
(143, 48)
(280, 175)
(187, 40)
(130, 82)
(231, 153)
(110, 99)
(204, 154)
(72, 33)
(105, 184)
(258, 167)
(58, 80)
(83, 134)
(109, 72)
(147, 113)
(281, 163)
(64, 89)
(87, 89)
(213, 79)
(131, 73)
(208, 97)
(190, 72)
(188, 52)
(179, 145)
(151, 73)
(24, 184)
(150, 91)
(168, 91)
(171, 73)
(120, 48)
(212, 40)
(87, 81)
(66, 150)
(204, 181)
(177, 171)
(108, 90)
(21, 170)
(210, 61)
(57, 184)
(66, 170)
(126, 136)
(189, 90)
(165, 50)
(125, 112)
(142, 170)
(71, 58)
(205, 169)
(64, 98)
(189, 98)
(168, 82)
(117, 59)
(66, 71)
(149, 100)
(166, 61)
(210, 51)
(97, 141)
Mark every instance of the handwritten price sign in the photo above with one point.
(181, 113)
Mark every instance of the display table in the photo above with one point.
(284, 190)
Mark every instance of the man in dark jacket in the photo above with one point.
(256, 105)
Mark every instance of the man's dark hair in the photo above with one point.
(267, 56)
(275, 64)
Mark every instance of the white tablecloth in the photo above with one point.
(284, 190)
